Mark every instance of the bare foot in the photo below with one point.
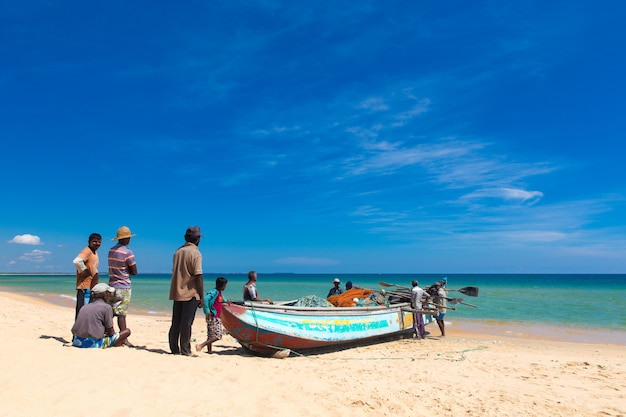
(198, 348)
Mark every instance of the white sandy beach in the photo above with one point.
(463, 374)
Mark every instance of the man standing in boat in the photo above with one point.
(249, 290)
(336, 290)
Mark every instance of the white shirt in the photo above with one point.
(417, 295)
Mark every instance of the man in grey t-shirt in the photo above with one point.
(94, 325)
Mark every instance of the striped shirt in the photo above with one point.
(120, 258)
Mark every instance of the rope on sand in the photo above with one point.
(462, 352)
(440, 356)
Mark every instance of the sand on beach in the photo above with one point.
(463, 374)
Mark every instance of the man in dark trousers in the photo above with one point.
(186, 290)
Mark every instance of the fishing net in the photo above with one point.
(312, 301)
(359, 297)
(356, 297)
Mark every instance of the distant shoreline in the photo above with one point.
(72, 273)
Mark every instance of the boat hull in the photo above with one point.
(268, 328)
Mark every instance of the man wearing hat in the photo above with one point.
(94, 325)
(187, 291)
(122, 266)
(336, 290)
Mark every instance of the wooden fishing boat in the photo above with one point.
(266, 329)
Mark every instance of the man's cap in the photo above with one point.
(437, 284)
(193, 232)
(337, 281)
(102, 288)
(122, 233)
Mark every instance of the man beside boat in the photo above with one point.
(439, 299)
(186, 291)
(418, 297)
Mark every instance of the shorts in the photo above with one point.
(92, 342)
(440, 316)
(120, 308)
(213, 327)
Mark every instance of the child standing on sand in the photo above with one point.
(213, 310)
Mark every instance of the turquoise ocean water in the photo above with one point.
(593, 302)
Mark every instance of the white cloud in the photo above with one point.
(35, 256)
(26, 239)
(307, 261)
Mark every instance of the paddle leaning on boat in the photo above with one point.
(355, 316)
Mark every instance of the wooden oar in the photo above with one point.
(442, 306)
(454, 301)
(408, 296)
(399, 294)
(469, 291)
(386, 284)
(412, 310)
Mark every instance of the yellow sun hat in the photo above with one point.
(122, 233)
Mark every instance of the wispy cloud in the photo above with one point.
(375, 215)
(404, 117)
(374, 104)
(567, 226)
(36, 256)
(387, 159)
(277, 130)
(511, 194)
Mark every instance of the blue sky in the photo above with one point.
(321, 137)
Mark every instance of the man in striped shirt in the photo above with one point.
(122, 266)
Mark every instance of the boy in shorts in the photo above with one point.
(213, 301)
